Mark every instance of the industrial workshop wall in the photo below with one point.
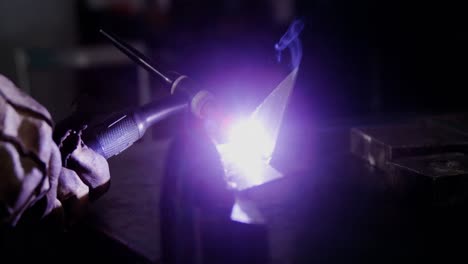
(39, 24)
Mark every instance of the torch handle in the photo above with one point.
(111, 139)
(115, 135)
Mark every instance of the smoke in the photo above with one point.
(291, 40)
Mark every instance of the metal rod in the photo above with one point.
(135, 55)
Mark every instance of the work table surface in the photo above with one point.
(329, 207)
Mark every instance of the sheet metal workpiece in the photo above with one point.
(440, 179)
(378, 145)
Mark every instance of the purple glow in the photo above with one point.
(251, 142)
(246, 152)
(248, 140)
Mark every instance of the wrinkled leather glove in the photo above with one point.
(34, 180)
(85, 174)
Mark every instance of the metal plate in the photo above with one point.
(441, 179)
(380, 144)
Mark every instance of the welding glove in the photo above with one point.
(33, 182)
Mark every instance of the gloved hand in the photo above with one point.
(33, 182)
(85, 174)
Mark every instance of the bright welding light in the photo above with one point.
(246, 154)
(248, 140)
(251, 142)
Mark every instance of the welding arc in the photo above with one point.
(135, 55)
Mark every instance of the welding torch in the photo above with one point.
(117, 134)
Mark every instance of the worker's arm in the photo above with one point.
(33, 182)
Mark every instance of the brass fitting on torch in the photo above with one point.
(201, 101)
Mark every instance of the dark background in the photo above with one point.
(360, 59)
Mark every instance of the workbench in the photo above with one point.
(330, 207)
